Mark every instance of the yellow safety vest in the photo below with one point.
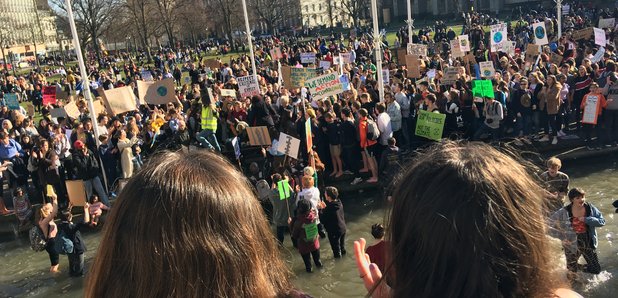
(209, 119)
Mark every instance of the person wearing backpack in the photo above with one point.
(68, 231)
(48, 230)
(305, 230)
(368, 133)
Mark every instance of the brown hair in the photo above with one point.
(482, 236)
(188, 225)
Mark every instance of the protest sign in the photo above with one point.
(247, 86)
(324, 86)
(30, 109)
(258, 136)
(464, 43)
(582, 34)
(49, 95)
(498, 36)
(401, 56)
(212, 64)
(566, 9)
(599, 37)
(455, 49)
(99, 107)
(607, 23)
(430, 125)
(228, 92)
(72, 110)
(345, 81)
(156, 93)
(324, 64)
(276, 54)
(57, 113)
(307, 58)
(431, 73)
(487, 69)
(347, 57)
(286, 73)
(308, 135)
(540, 34)
(288, 145)
(417, 49)
(413, 66)
(556, 58)
(531, 51)
(337, 60)
(76, 192)
(386, 76)
(61, 94)
(470, 61)
(11, 101)
(590, 109)
(236, 145)
(451, 74)
(598, 56)
(482, 88)
(146, 75)
(119, 100)
(298, 76)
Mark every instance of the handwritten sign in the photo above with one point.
(464, 43)
(347, 58)
(247, 86)
(455, 49)
(599, 37)
(430, 125)
(298, 76)
(607, 23)
(324, 64)
(556, 58)
(288, 145)
(119, 100)
(416, 49)
(451, 74)
(228, 92)
(11, 101)
(487, 69)
(590, 109)
(76, 192)
(156, 93)
(324, 86)
(308, 58)
(531, 51)
(414, 66)
(498, 36)
(258, 136)
(582, 34)
(58, 113)
(72, 110)
(598, 56)
(482, 88)
(275, 53)
(49, 95)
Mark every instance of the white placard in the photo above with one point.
(347, 57)
(598, 56)
(590, 109)
(599, 37)
(540, 34)
(498, 36)
(386, 76)
(324, 86)
(308, 58)
(455, 49)
(324, 64)
(247, 86)
(487, 69)
(607, 23)
(228, 92)
(464, 43)
(288, 145)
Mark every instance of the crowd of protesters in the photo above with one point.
(355, 133)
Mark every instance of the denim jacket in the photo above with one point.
(561, 227)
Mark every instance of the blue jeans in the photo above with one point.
(98, 187)
(484, 129)
(208, 139)
(523, 123)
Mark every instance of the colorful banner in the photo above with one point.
(540, 34)
(49, 95)
(247, 86)
(324, 86)
(430, 125)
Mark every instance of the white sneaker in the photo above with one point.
(554, 141)
(356, 181)
(544, 139)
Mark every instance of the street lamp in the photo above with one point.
(12, 59)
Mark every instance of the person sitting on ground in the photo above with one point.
(96, 209)
(479, 237)
(205, 242)
(22, 206)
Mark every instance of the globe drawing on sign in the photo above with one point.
(539, 32)
(497, 37)
(463, 43)
(162, 91)
(487, 73)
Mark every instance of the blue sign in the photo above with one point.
(539, 32)
(11, 101)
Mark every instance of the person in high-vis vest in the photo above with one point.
(207, 137)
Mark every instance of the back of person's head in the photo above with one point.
(307, 181)
(377, 231)
(332, 192)
(66, 215)
(187, 225)
(304, 206)
(468, 222)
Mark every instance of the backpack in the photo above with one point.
(263, 189)
(37, 239)
(63, 244)
(373, 132)
(526, 100)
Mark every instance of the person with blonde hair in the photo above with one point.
(483, 236)
(188, 225)
(46, 223)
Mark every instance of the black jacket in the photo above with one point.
(72, 232)
(85, 167)
(332, 218)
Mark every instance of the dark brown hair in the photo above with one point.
(188, 225)
(468, 222)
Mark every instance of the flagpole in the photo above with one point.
(248, 30)
(82, 70)
(559, 16)
(410, 21)
(377, 43)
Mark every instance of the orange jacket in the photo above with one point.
(602, 103)
(362, 132)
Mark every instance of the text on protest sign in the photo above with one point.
(430, 125)
(498, 36)
(298, 76)
(248, 86)
(451, 74)
(228, 92)
(582, 34)
(456, 49)
(308, 58)
(482, 88)
(258, 136)
(607, 23)
(599, 37)
(49, 95)
(540, 34)
(590, 109)
(464, 43)
(324, 64)
(487, 69)
(417, 49)
(347, 57)
(288, 145)
(11, 101)
(325, 85)
(598, 56)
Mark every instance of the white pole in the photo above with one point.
(82, 70)
(559, 16)
(377, 43)
(340, 65)
(248, 30)
(410, 22)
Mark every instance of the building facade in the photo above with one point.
(26, 22)
(316, 13)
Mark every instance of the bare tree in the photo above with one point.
(169, 12)
(271, 12)
(193, 21)
(355, 9)
(230, 12)
(93, 18)
(143, 21)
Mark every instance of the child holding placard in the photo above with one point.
(592, 106)
(304, 229)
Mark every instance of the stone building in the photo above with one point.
(24, 22)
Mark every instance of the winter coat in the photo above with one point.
(549, 99)
(298, 227)
(332, 218)
(561, 226)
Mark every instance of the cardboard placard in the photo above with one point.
(582, 34)
(430, 125)
(258, 136)
(455, 49)
(607, 23)
(498, 36)
(286, 72)
(413, 66)
(49, 95)
(76, 192)
(401, 56)
(324, 64)
(298, 76)
(228, 92)
(119, 100)
(531, 51)
(416, 49)
(324, 86)
(451, 74)
(71, 110)
(288, 145)
(156, 93)
(99, 107)
(556, 59)
(347, 58)
(212, 64)
(247, 86)
(598, 55)
(57, 113)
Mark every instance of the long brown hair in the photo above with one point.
(468, 222)
(188, 225)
